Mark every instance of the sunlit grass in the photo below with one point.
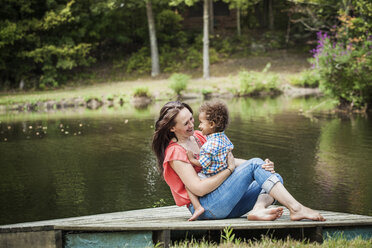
(100, 91)
(159, 88)
(267, 242)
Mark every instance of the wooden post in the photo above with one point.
(50, 239)
(314, 234)
(162, 236)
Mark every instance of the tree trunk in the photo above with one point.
(211, 18)
(271, 15)
(238, 22)
(259, 14)
(288, 30)
(264, 13)
(155, 68)
(205, 41)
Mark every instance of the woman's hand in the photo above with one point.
(190, 154)
(231, 162)
(269, 165)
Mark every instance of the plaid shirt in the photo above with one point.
(213, 154)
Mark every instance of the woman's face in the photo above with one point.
(205, 126)
(184, 124)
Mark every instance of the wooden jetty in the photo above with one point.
(146, 227)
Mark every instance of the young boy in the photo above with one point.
(214, 118)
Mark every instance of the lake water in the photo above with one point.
(83, 162)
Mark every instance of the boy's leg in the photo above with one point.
(198, 208)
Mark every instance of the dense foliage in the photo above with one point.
(41, 40)
(343, 58)
(42, 43)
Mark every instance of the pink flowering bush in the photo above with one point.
(344, 63)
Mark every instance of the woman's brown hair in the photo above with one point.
(163, 135)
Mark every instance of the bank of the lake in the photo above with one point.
(283, 66)
(111, 94)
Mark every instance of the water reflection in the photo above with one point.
(87, 162)
(344, 162)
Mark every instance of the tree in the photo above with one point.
(155, 68)
(271, 14)
(211, 17)
(40, 40)
(240, 6)
(205, 40)
(206, 12)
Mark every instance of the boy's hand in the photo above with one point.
(269, 165)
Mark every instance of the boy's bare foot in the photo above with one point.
(306, 213)
(265, 214)
(199, 211)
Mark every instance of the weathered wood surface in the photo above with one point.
(175, 218)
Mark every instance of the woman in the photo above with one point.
(246, 186)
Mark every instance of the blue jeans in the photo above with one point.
(239, 192)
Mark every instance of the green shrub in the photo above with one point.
(255, 83)
(141, 92)
(169, 58)
(274, 39)
(140, 61)
(213, 56)
(178, 82)
(206, 92)
(168, 28)
(224, 45)
(194, 57)
(307, 79)
(343, 61)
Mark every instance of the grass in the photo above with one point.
(228, 240)
(141, 92)
(267, 242)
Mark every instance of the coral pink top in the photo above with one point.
(176, 152)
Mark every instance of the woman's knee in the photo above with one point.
(257, 161)
(250, 165)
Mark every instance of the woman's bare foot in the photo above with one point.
(265, 214)
(306, 213)
(199, 211)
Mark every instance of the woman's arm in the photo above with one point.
(191, 180)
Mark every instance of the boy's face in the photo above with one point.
(205, 126)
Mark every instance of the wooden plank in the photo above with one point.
(175, 218)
